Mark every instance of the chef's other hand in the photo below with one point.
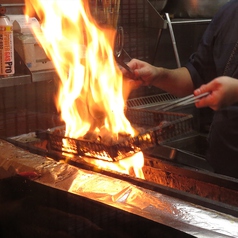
(223, 91)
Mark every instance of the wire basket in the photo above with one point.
(154, 128)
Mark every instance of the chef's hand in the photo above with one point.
(145, 73)
(177, 81)
(223, 91)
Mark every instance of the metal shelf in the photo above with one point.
(24, 76)
(21, 79)
(14, 80)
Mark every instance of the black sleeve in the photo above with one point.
(216, 46)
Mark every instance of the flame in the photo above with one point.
(90, 97)
(134, 162)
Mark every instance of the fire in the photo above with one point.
(134, 162)
(90, 97)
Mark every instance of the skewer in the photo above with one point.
(190, 99)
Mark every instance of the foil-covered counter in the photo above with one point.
(190, 218)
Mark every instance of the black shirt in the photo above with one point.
(217, 55)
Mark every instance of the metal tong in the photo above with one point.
(119, 44)
(181, 102)
(125, 66)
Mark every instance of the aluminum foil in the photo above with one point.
(181, 215)
(190, 218)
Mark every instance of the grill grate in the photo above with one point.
(158, 127)
(150, 101)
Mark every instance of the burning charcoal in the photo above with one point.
(58, 131)
(97, 121)
(92, 133)
(140, 130)
(123, 136)
(92, 136)
(105, 135)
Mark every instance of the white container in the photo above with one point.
(31, 52)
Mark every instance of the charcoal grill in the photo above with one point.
(163, 177)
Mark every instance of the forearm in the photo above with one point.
(175, 81)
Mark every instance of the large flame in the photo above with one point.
(90, 97)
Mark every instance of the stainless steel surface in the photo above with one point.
(14, 80)
(12, 8)
(159, 5)
(190, 21)
(173, 40)
(194, 8)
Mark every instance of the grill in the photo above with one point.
(168, 178)
(158, 127)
